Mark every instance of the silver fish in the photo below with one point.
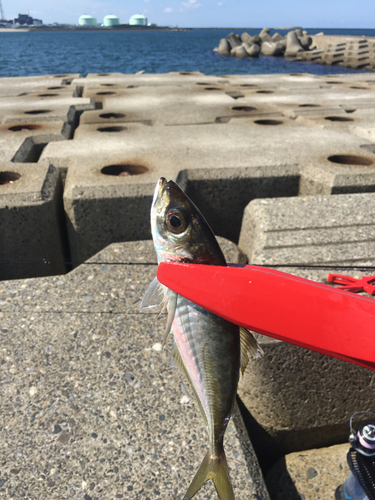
(209, 350)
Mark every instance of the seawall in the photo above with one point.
(282, 167)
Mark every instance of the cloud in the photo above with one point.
(220, 4)
(168, 10)
(191, 4)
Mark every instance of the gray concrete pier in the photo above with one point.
(282, 167)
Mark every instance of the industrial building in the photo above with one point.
(86, 20)
(111, 20)
(138, 20)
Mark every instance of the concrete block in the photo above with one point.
(23, 142)
(167, 105)
(13, 86)
(298, 399)
(33, 240)
(21, 109)
(91, 196)
(146, 79)
(310, 474)
(310, 230)
(82, 377)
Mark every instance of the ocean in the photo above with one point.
(41, 53)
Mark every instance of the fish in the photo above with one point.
(209, 351)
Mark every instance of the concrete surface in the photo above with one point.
(309, 475)
(263, 135)
(13, 86)
(269, 140)
(90, 407)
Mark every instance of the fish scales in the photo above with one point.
(208, 349)
(211, 355)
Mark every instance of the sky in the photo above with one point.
(206, 13)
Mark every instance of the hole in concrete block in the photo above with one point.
(9, 177)
(23, 93)
(59, 76)
(132, 86)
(248, 85)
(243, 108)
(338, 119)
(108, 116)
(56, 88)
(105, 93)
(359, 88)
(295, 74)
(102, 74)
(264, 91)
(268, 122)
(334, 83)
(123, 170)
(111, 129)
(213, 88)
(108, 85)
(186, 73)
(202, 83)
(350, 160)
(309, 106)
(222, 119)
(30, 150)
(47, 95)
(37, 112)
(23, 127)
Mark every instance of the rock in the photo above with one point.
(234, 40)
(264, 35)
(272, 49)
(245, 37)
(252, 50)
(304, 38)
(293, 45)
(276, 37)
(239, 52)
(224, 47)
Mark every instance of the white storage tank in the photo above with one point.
(87, 20)
(111, 20)
(138, 20)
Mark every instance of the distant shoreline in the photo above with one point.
(126, 27)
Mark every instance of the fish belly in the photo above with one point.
(210, 350)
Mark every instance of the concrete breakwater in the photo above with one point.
(348, 52)
(89, 403)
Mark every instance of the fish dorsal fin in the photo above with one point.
(154, 294)
(250, 349)
(172, 304)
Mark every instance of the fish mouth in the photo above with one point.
(162, 182)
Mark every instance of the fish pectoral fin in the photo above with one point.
(250, 349)
(215, 468)
(154, 295)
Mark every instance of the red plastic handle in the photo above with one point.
(299, 311)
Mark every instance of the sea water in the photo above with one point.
(38, 53)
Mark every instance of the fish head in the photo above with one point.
(179, 230)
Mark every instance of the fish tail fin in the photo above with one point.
(215, 468)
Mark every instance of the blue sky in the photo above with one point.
(207, 13)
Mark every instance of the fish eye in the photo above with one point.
(175, 222)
